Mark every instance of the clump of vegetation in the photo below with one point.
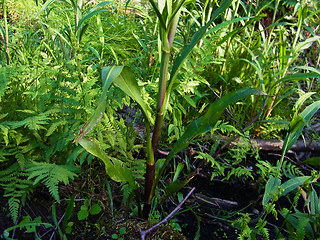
(114, 110)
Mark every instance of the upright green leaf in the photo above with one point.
(209, 119)
(298, 123)
(302, 99)
(271, 188)
(109, 74)
(314, 202)
(174, 187)
(196, 38)
(161, 20)
(92, 12)
(45, 6)
(69, 211)
(3, 83)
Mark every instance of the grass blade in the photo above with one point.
(45, 6)
(92, 12)
(299, 122)
(195, 39)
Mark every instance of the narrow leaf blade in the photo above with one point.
(109, 74)
(195, 39)
(93, 11)
(292, 184)
(209, 119)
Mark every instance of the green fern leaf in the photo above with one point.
(301, 232)
(14, 204)
(51, 175)
(54, 127)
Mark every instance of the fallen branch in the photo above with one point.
(166, 219)
(274, 145)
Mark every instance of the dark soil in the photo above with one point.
(207, 213)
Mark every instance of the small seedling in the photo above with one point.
(86, 209)
(122, 231)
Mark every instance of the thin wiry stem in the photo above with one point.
(167, 218)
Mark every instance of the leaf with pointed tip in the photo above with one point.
(92, 12)
(109, 74)
(270, 190)
(161, 20)
(115, 168)
(311, 69)
(292, 184)
(206, 122)
(209, 119)
(314, 202)
(195, 39)
(128, 84)
(45, 6)
(297, 124)
(174, 187)
(314, 161)
(305, 44)
(296, 76)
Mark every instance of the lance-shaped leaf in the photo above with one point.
(45, 6)
(314, 161)
(297, 124)
(209, 119)
(295, 77)
(174, 187)
(271, 189)
(195, 39)
(114, 167)
(109, 74)
(160, 17)
(128, 84)
(206, 122)
(292, 184)
(93, 11)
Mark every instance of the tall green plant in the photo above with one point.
(168, 13)
(6, 35)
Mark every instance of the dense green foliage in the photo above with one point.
(142, 84)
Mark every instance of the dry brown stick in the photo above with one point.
(166, 219)
(276, 145)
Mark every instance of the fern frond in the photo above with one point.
(55, 126)
(16, 186)
(51, 175)
(14, 204)
(290, 170)
(301, 232)
(266, 169)
(238, 172)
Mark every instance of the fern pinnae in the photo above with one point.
(14, 205)
(51, 175)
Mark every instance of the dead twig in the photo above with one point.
(166, 219)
